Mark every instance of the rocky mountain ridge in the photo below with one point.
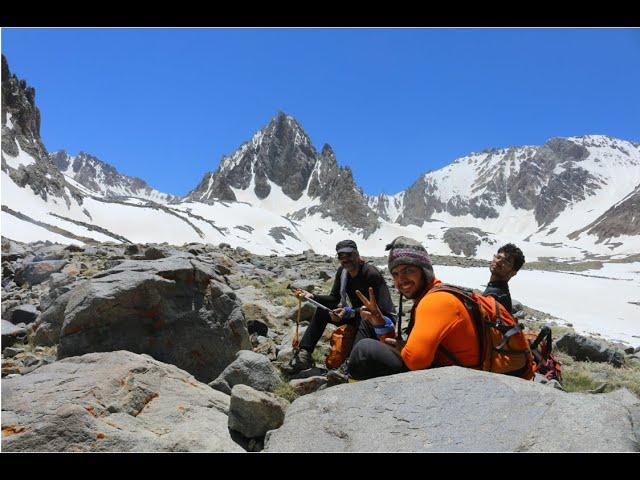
(569, 198)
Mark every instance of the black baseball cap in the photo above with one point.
(346, 246)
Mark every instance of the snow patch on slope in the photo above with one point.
(574, 298)
(23, 158)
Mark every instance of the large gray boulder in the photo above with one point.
(131, 249)
(113, 402)
(588, 349)
(13, 250)
(307, 310)
(249, 368)
(257, 312)
(175, 309)
(25, 313)
(59, 284)
(254, 413)
(516, 306)
(34, 273)
(631, 402)
(48, 325)
(153, 253)
(256, 306)
(12, 333)
(453, 409)
(51, 252)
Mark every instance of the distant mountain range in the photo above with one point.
(95, 177)
(575, 197)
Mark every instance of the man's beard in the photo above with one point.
(350, 266)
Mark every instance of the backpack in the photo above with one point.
(341, 343)
(503, 345)
(541, 345)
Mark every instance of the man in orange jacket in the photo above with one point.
(439, 326)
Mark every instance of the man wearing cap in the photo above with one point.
(439, 327)
(353, 274)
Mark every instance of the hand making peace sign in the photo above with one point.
(370, 310)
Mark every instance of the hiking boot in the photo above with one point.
(302, 360)
(338, 376)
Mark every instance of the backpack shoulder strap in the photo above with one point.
(545, 334)
(464, 295)
(453, 289)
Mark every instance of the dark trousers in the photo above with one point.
(319, 322)
(372, 358)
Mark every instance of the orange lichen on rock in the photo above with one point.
(73, 330)
(13, 430)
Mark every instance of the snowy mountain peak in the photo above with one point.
(24, 157)
(281, 153)
(569, 198)
(279, 167)
(94, 177)
(282, 129)
(586, 174)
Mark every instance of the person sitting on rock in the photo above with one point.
(439, 325)
(353, 274)
(503, 267)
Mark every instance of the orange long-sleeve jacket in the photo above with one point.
(440, 318)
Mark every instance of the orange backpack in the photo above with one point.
(341, 343)
(503, 345)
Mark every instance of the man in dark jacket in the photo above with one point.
(504, 266)
(352, 275)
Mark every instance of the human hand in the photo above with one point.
(302, 294)
(370, 310)
(337, 315)
(366, 314)
(397, 343)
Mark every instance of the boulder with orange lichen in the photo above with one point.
(176, 309)
(116, 402)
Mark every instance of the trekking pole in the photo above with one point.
(399, 335)
(313, 302)
(295, 341)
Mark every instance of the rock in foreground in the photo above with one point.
(454, 409)
(113, 402)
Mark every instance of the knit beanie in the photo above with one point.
(406, 251)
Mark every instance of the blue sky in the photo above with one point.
(166, 104)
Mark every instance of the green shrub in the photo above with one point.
(585, 376)
(286, 391)
(319, 356)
